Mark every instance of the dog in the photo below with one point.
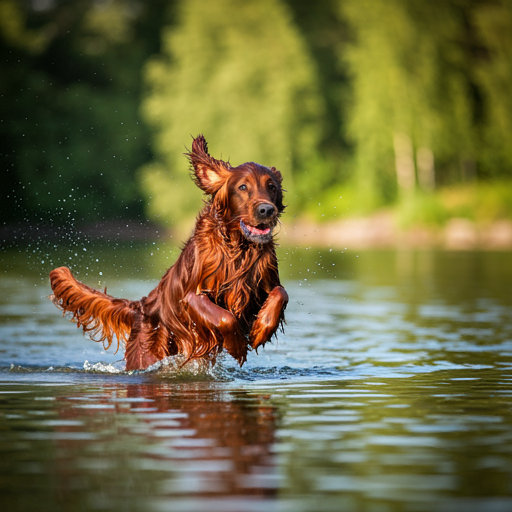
(223, 292)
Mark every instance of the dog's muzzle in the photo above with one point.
(260, 235)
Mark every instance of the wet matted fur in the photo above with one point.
(223, 291)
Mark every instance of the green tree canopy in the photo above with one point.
(493, 74)
(358, 102)
(241, 74)
(412, 94)
(70, 127)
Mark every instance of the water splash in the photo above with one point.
(104, 367)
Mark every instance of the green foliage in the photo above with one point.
(240, 73)
(335, 203)
(494, 75)
(410, 76)
(70, 130)
(479, 202)
(421, 209)
(361, 104)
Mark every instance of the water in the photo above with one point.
(389, 391)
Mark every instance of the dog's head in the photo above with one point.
(249, 197)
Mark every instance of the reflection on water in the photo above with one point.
(122, 445)
(125, 447)
(391, 390)
(423, 442)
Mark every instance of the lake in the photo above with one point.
(389, 391)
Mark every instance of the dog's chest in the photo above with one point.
(243, 296)
(239, 279)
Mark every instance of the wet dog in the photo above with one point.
(223, 291)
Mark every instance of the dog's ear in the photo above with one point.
(208, 173)
(277, 175)
(279, 199)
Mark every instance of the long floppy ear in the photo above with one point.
(277, 175)
(279, 200)
(208, 173)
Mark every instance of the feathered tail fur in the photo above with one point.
(100, 315)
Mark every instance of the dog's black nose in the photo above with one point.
(265, 210)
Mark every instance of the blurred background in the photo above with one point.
(398, 113)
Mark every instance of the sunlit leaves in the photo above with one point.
(240, 73)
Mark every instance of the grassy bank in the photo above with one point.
(462, 217)
(481, 203)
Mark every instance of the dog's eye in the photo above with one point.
(242, 187)
(271, 185)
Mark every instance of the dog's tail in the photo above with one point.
(101, 316)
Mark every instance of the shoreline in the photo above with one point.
(378, 231)
(381, 232)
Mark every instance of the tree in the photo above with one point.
(241, 74)
(71, 133)
(413, 109)
(492, 22)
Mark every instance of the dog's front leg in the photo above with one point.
(202, 310)
(270, 316)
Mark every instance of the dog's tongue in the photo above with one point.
(256, 231)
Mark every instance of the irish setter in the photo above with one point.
(222, 292)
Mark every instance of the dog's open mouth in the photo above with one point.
(259, 234)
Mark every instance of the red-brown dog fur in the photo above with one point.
(222, 292)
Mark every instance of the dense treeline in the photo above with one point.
(70, 87)
(360, 103)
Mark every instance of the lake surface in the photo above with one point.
(389, 391)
